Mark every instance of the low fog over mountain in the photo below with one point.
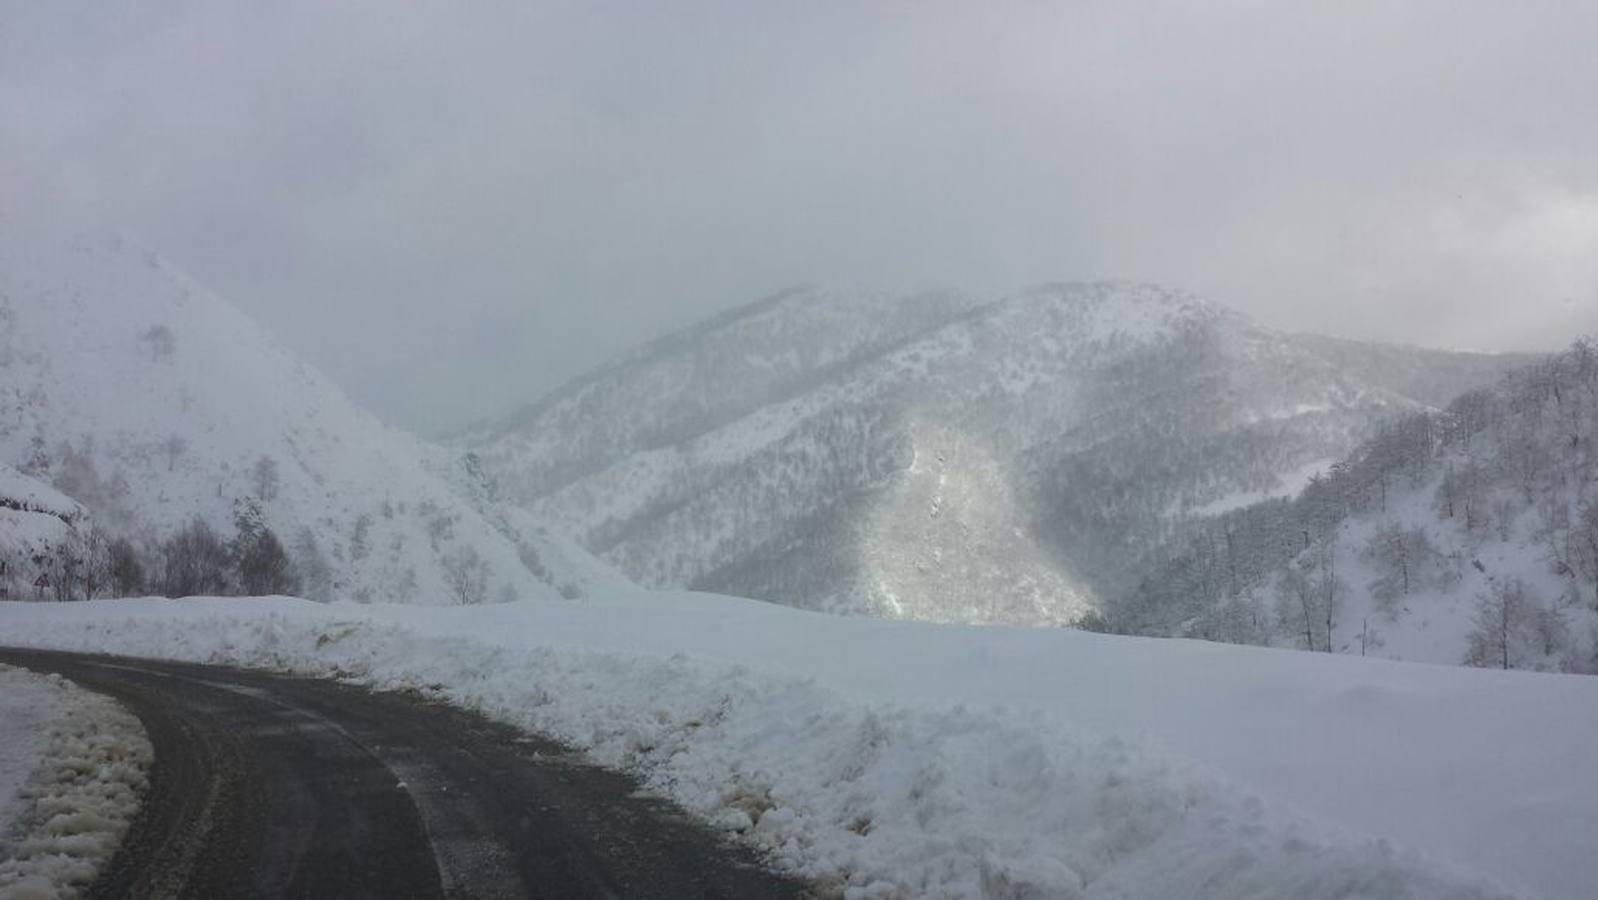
(945, 457)
(850, 451)
(156, 405)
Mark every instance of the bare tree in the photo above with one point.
(1504, 619)
(1583, 544)
(1464, 492)
(94, 569)
(37, 463)
(1309, 595)
(266, 478)
(1369, 638)
(265, 568)
(466, 574)
(195, 562)
(65, 564)
(1550, 628)
(173, 447)
(1330, 590)
(159, 340)
(1296, 607)
(361, 538)
(8, 577)
(316, 576)
(1405, 561)
(125, 571)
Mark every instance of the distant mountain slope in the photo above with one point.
(139, 394)
(1433, 377)
(1463, 535)
(932, 456)
(702, 378)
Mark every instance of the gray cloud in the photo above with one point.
(450, 207)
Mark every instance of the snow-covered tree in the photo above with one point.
(1405, 561)
(1505, 627)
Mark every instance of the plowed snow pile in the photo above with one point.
(72, 772)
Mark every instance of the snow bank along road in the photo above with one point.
(73, 768)
(893, 760)
(267, 785)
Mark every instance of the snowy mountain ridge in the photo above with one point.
(750, 356)
(1468, 534)
(926, 456)
(139, 394)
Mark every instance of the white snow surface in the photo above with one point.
(1289, 484)
(35, 519)
(26, 711)
(178, 400)
(902, 759)
(32, 495)
(73, 768)
(1433, 624)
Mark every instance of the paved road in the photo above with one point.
(273, 786)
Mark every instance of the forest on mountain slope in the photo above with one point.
(1468, 534)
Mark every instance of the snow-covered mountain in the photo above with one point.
(940, 457)
(130, 389)
(1463, 535)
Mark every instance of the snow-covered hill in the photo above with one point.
(1466, 535)
(140, 395)
(937, 457)
(37, 522)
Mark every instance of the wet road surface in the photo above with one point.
(269, 785)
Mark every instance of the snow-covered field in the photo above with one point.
(903, 759)
(72, 768)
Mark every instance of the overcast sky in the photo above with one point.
(451, 207)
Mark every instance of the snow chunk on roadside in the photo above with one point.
(86, 761)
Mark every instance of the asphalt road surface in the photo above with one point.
(274, 786)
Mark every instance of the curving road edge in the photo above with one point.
(268, 785)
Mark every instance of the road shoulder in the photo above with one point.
(87, 762)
